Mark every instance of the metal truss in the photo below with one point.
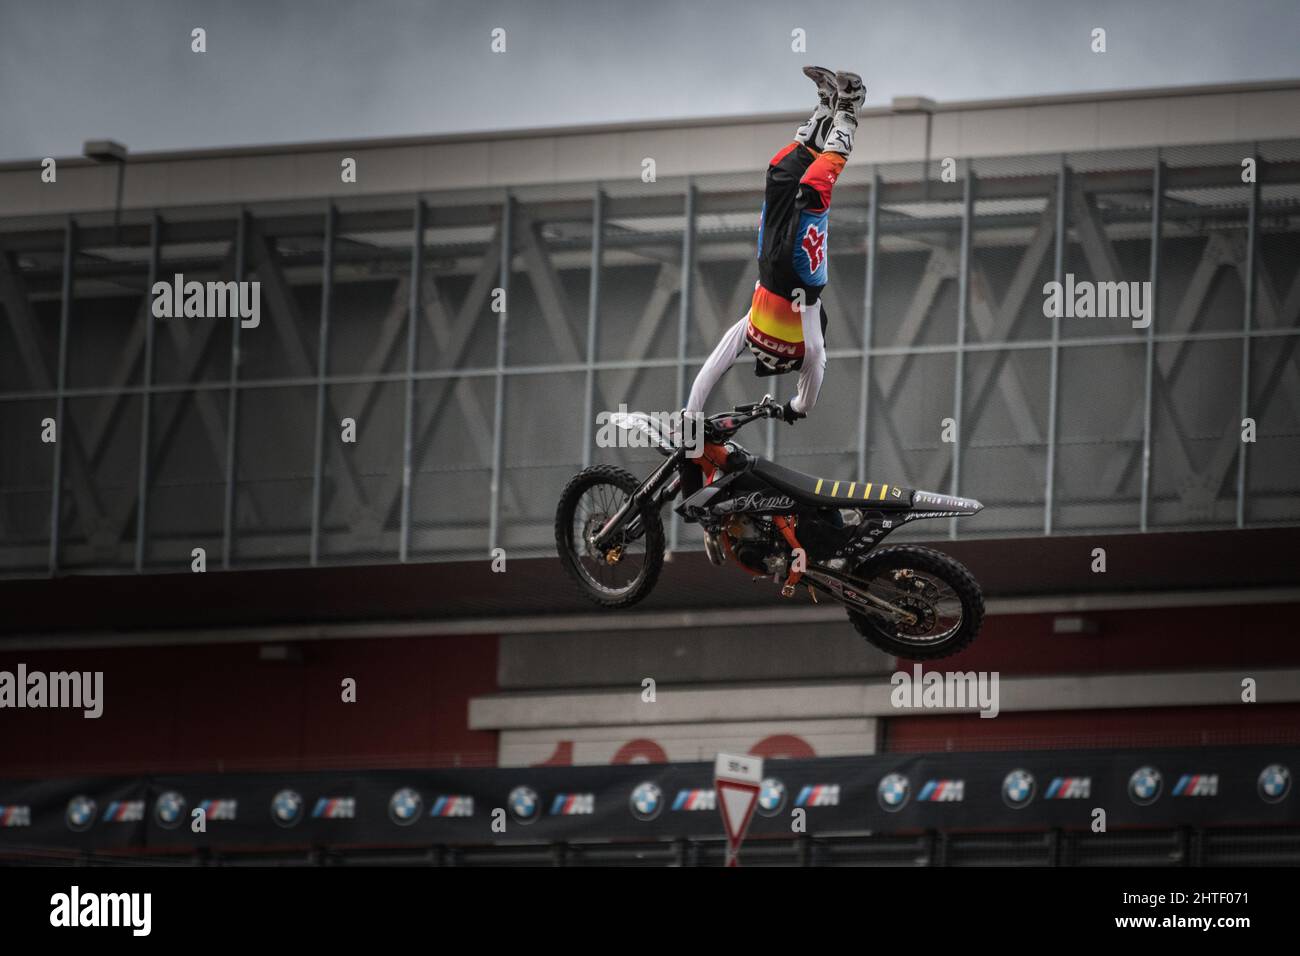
(445, 260)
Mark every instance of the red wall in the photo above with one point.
(1174, 639)
(212, 707)
(217, 706)
(1247, 638)
(1242, 724)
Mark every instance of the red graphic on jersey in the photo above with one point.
(814, 243)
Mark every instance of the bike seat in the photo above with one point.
(833, 493)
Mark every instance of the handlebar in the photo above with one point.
(743, 414)
(770, 407)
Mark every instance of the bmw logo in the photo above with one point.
(1018, 789)
(1145, 785)
(1274, 783)
(523, 804)
(286, 808)
(168, 810)
(404, 806)
(646, 801)
(80, 813)
(893, 792)
(771, 797)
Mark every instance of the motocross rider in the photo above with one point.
(785, 325)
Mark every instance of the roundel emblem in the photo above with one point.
(1018, 789)
(523, 804)
(646, 801)
(771, 797)
(1145, 785)
(893, 792)
(286, 808)
(1274, 783)
(404, 806)
(168, 809)
(80, 813)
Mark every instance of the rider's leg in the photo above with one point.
(794, 158)
(799, 184)
(819, 178)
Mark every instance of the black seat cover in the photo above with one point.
(833, 493)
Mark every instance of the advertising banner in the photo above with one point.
(882, 793)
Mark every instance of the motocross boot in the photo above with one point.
(813, 133)
(849, 95)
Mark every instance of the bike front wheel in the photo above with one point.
(626, 570)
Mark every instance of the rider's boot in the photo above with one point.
(813, 132)
(850, 93)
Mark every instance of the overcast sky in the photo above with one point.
(280, 71)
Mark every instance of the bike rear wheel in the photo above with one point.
(943, 597)
(625, 571)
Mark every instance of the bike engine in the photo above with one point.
(824, 532)
(755, 542)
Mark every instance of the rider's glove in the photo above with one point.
(790, 415)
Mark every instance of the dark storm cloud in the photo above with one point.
(292, 70)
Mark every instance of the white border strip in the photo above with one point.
(712, 704)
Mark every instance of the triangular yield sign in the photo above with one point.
(736, 781)
(737, 802)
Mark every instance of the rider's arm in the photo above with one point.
(723, 357)
(814, 360)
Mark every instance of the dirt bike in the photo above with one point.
(777, 524)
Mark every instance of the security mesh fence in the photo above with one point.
(1086, 342)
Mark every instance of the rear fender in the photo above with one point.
(931, 504)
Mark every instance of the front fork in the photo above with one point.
(660, 487)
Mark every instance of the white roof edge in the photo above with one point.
(1257, 86)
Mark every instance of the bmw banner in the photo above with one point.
(882, 793)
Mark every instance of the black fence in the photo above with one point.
(1165, 847)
